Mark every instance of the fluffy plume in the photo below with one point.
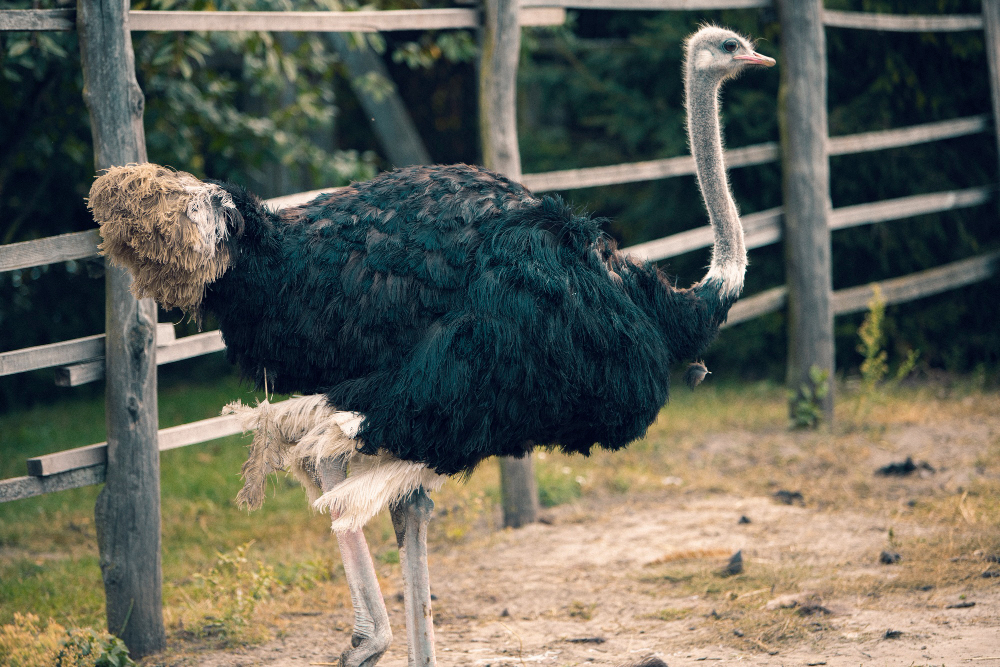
(166, 227)
(295, 434)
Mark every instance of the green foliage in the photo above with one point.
(27, 642)
(233, 587)
(556, 486)
(807, 402)
(875, 367)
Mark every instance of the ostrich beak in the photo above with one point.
(757, 59)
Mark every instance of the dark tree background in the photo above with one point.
(276, 112)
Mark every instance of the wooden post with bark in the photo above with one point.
(806, 190)
(127, 515)
(991, 21)
(500, 47)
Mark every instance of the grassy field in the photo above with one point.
(222, 566)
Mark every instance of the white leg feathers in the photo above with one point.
(297, 433)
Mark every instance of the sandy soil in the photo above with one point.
(576, 591)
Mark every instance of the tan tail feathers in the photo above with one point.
(166, 227)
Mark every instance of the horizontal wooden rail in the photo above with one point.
(901, 22)
(333, 21)
(649, 4)
(650, 170)
(895, 290)
(760, 229)
(84, 466)
(907, 136)
(61, 248)
(37, 20)
(18, 488)
(91, 349)
(907, 207)
(633, 172)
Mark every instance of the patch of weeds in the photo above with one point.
(670, 614)
(27, 642)
(875, 367)
(557, 487)
(230, 593)
(388, 557)
(581, 610)
(807, 403)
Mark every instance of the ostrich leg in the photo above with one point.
(371, 635)
(409, 519)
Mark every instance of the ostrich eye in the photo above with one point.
(730, 45)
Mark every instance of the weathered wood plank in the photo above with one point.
(906, 207)
(199, 431)
(168, 438)
(901, 22)
(802, 116)
(19, 488)
(54, 354)
(37, 19)
(759, 304)
(70, 459)
(907, 136)
(360, 21)
(761, 229)
(918, 285)
(62, 248)
(66, 352)
(189, 346)
(296, 199)
(79, 374)
(649, 170)
(650, 4)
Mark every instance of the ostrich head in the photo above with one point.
(716, 54)
(167, 228)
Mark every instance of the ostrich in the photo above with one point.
(433, 317)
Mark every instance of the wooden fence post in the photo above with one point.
(806, 186)
(991, 20)
(127, 515)
(500, 42)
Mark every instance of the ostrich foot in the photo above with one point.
(409, 519)
(371, 635)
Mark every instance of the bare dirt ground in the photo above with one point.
(611, 579)
(578, 591)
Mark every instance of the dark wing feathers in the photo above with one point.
(462, 315)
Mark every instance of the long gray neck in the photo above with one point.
(729, 255)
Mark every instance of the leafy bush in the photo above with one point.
(27, 642)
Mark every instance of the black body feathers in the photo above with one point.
(461, 315)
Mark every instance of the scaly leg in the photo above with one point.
(409, 518)
(371, 635)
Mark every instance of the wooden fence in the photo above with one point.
(806, 190)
